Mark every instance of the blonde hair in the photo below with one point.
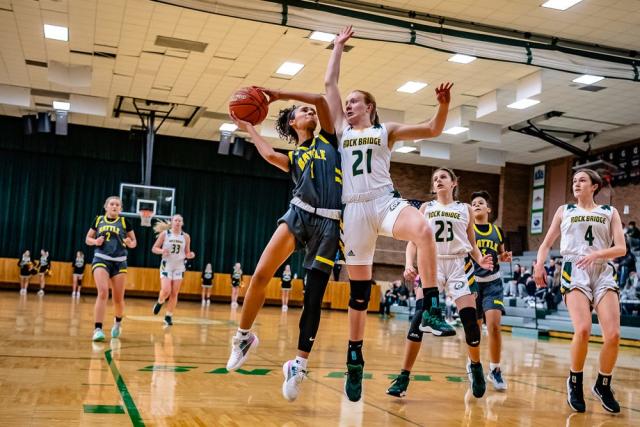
(106, 202)
(163, 224)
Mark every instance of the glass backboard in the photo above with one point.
(136, 197)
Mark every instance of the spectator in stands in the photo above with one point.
(526, 282)
(629, 300)
(512, 289)
(401, 293)
(625, 265)
(553, 295)
(633, 233)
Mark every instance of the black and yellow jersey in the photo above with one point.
(315, 170)
(488, 239)
(114, 231)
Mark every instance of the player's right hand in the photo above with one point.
(344, 35)
(165, 252)
(100, 241)
(540, 275)
(272, 94)
(410, 273)
(242, 125)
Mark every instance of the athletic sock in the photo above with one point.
(603, 380)
(242, 333)
(98, 325)
(118, 319)
(405, 372)
(576, 377)
(354, 355)
(168, 313)
(493, 366)
(301, 362)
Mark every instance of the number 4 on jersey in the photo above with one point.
(588, 236)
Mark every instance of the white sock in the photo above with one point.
(301, 362)
(242, 332)
(168, 314)
(493, 366)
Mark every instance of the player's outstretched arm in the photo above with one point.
(332, 76)
(429, 129)
(279, 160)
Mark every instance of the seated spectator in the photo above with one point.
(402, 294)
(625, 265)
(633, 233)
(512, 289)
(629, 300)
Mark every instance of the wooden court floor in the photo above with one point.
(52, 375)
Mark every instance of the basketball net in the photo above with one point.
(145, 217)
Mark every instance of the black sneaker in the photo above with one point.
(606, 397)
(476, 378)
(399, 386)
(168, 321)
(575, 396)
(433, 322)
(156, 307)
(353, 382)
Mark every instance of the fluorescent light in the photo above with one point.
(462, 59)
(588, 79)
(323, 37)
(56, 33)
(523, 103)
(228, 127)
(289, 68)
(405, 149)
(560, 4)
(61, 105)
(411, 87)
(456, 130)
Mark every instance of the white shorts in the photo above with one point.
(594, 282)
(171, 272)
(363, 222)
(455, 276)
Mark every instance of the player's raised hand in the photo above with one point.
(443, 93)
(345, 34)
(242, 124)
(272, 94)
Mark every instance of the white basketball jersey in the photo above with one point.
(176, 245)
(449, 224)
(583, 232)
(366, 160)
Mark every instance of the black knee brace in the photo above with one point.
(470, 325)
(311, 311)
(360, 294)
(415, 334)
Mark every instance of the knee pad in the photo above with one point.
(415, 334)
(360, 294)
(470, 325)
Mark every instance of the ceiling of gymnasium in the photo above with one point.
(116, 41)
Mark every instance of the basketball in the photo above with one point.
(249, 104)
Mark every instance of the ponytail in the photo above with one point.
(161, 225)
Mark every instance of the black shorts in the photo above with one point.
(235, 282)
(43, 269)
(317, 235)
(112, 267)
(489, 297)
(286, 284)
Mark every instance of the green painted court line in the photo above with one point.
(134, 415)
(103, 409)
(167, 368)
(340, 374)
(453, 379)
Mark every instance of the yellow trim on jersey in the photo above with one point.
(471, 280)
(124, 225)
(324, 260)
(291, 157)
(338, 171)
(467, 266)
(566, 276)
(107, 220)
(498, 302)
(98, 221)
(499, 234)
(480, 232)
(303, 148)
(323, 139)
(338, 180)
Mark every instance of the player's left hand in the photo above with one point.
(587, 261)
(506, 256)
(191, 255)
(443, 93)
(486, 262)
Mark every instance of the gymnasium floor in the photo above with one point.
(51, 374)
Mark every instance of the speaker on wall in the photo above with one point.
(44, 122)
(61, 122)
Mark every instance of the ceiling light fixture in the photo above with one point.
(289, 68)
(523, 103)
(560, 4)
(411, 87)
(588, 79)
(322, 37)
(228, 127)
(56, 32)
(456, 130)
(462, 59)
(61, 105)
(405, 149)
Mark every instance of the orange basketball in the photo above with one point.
(249, 104)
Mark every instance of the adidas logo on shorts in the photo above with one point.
(351, 253)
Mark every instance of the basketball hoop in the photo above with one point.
(145, 217)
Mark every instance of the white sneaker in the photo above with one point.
(208, 302)
(495, 377)
(78, 294)
(240, 348)
(116, 330)
(293, 376)
(285, 308)
(98, 335)
(204, 303)
(40, 292)
(234, 305)
(23, 291)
